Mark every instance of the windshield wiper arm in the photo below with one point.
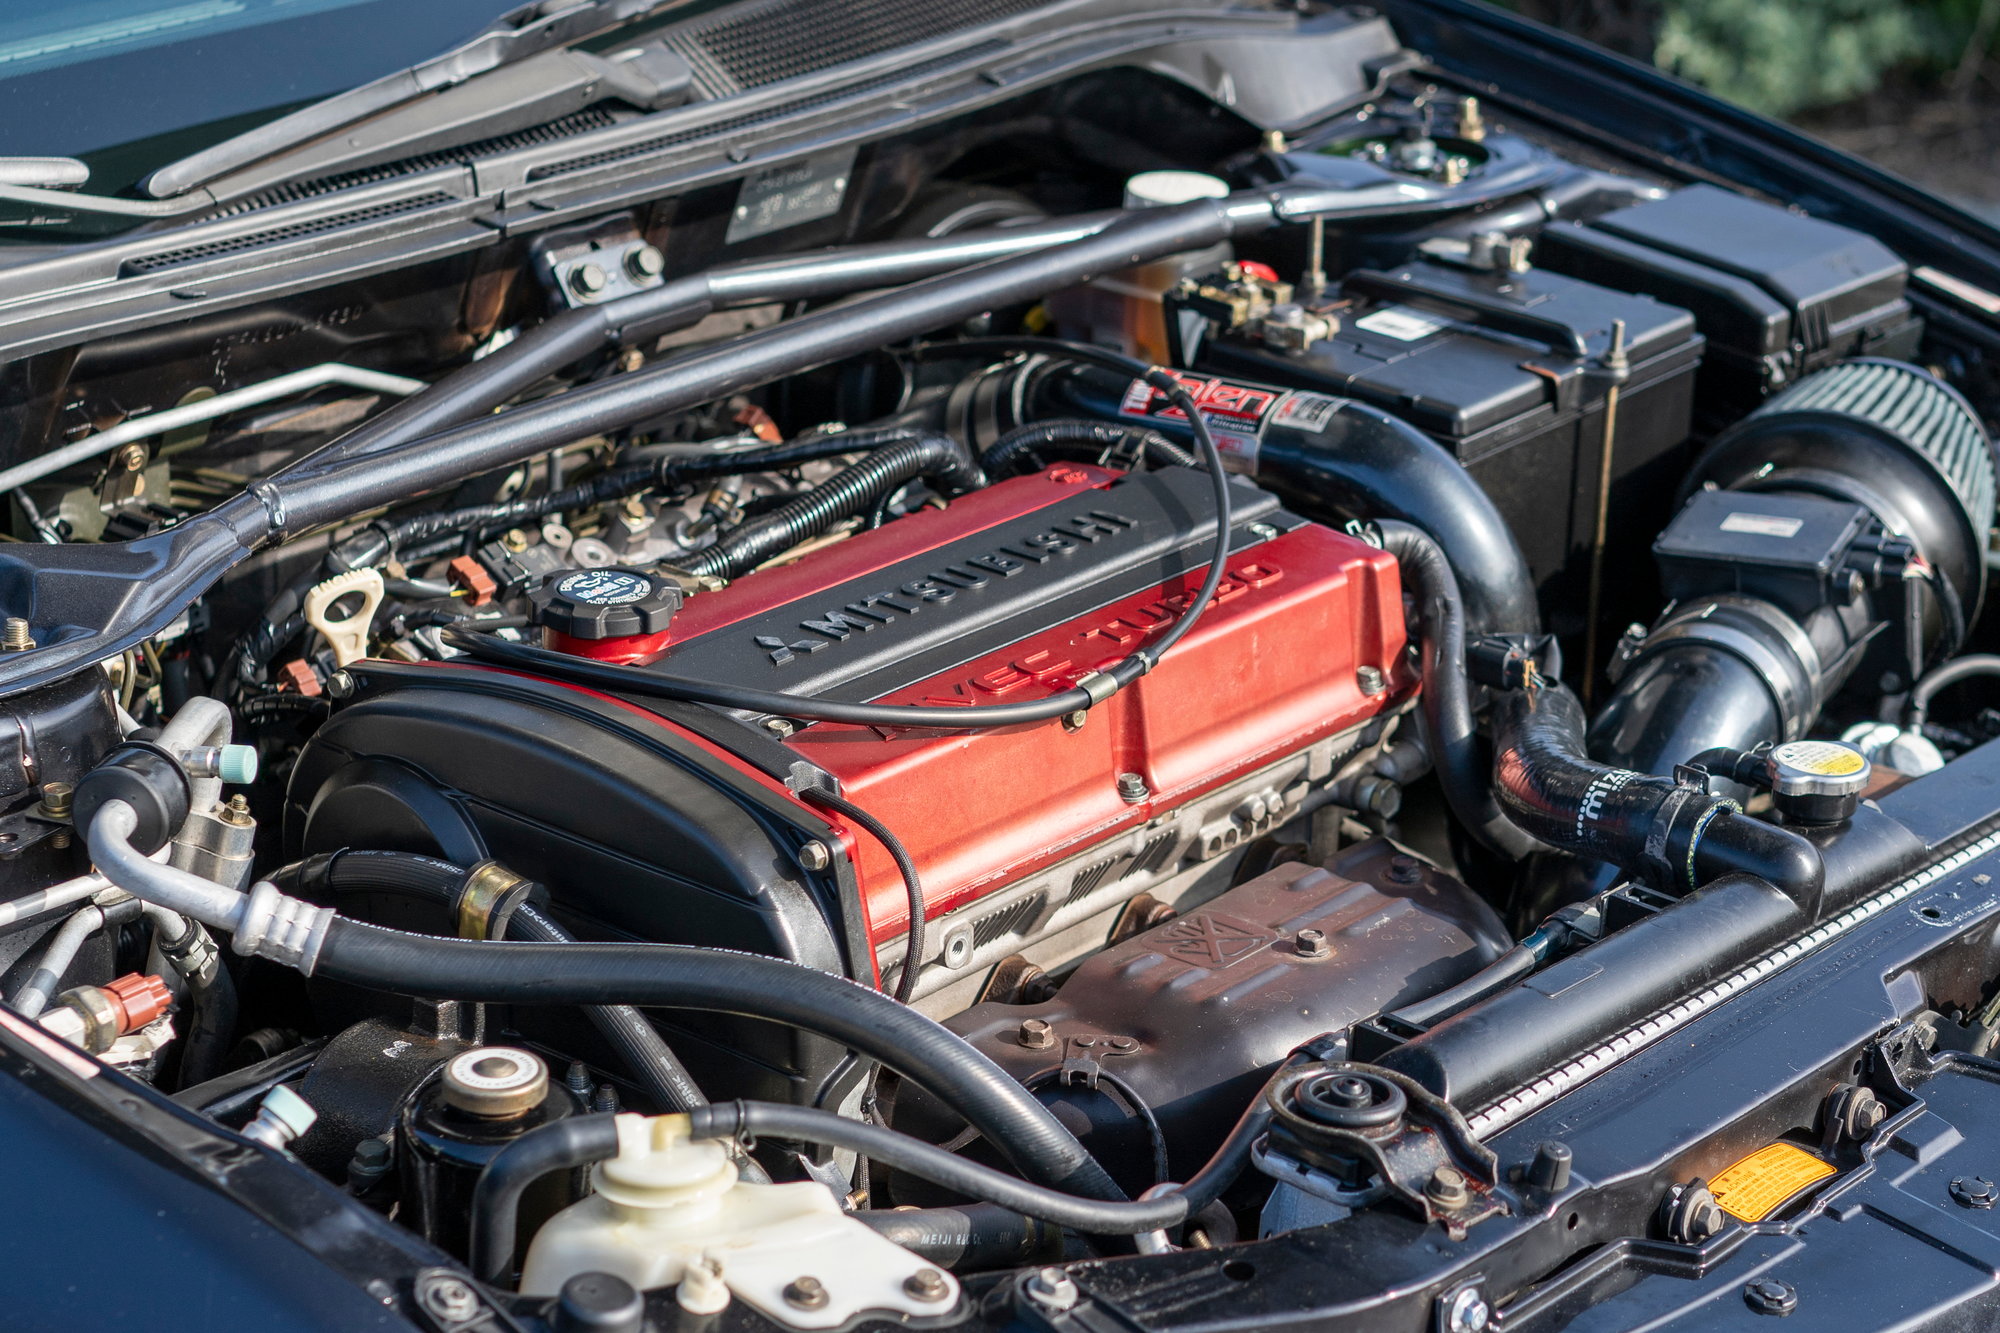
(515, 36)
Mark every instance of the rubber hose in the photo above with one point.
(967, 1237)
(913, 888)
(747, 985)
(1445, 711)
(562, 1145)
(939, 459)
(1026, 448)
(1680, 837)
(651, 1062)
(1918, 710)
(639, 1044)
(1497, 975)
(211, 1024)
(927, 1161)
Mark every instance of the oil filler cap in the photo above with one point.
(609, 603)
(1817, 782)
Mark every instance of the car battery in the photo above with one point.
(1777, 294)
(1512, 372)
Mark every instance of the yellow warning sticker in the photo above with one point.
(1753, 1188)
(1825, 758)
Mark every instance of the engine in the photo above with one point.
(877, 741)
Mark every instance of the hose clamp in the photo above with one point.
(490, 895)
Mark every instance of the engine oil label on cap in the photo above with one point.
(1236, 413)
(780, 197)
(1755, 1187)
(1763, 525)
(1401, 323)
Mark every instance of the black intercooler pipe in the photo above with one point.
(938, 459)
(1445, 708)
(719, 981)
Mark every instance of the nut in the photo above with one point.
(1311, 943)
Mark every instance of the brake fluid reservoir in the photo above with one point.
(1123, 309)
(666, 1204)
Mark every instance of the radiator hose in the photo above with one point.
(1446, 708)
(1678, 837)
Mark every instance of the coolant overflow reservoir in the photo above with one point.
(665, 1204)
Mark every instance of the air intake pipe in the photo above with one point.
(1855, 502)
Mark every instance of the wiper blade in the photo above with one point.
(517, 36)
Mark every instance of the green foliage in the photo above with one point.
(1781, 56)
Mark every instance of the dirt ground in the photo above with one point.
(1947, 144)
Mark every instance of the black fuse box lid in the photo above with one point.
(1783, 292)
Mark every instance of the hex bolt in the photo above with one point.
(806, 1293)
(1856, 1113)
(1052, 1289)
(815, 856)
(1037, 1034)
(16, 635)
(1370, 679)
(1132, 788)
(340, 685)
(779, 726)
(588, 279)
(1468, 1312)
(1975, 1191)
(1074, 721)
(927, 1284)
(1311, 943)
(1447, 1188)
(1770, 1295)
(645, 262)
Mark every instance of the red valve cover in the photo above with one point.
(1015, 592)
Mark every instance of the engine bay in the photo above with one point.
(1080, 714)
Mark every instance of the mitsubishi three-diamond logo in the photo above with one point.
(1210, 940)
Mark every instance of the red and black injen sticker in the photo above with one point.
(1237, 414)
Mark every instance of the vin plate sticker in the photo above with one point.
(780, 197)
(1401, 323)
